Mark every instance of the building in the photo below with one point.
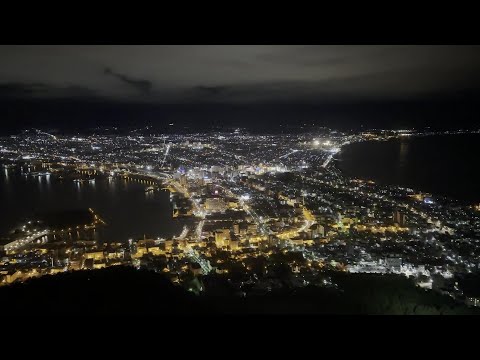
(222, 237)
(215, 204)
(234, 243)
(11, 276)
(217, 169)
(232, 204)
(168, 243)
(236, 228)
(220, 270)
(317, 230)
(214, 190)
(75, 264)
(95, 255)
(399, 218)
(155, 250)
(472, 301)
(183, 180)
(252, 228)
(297, 241)
(393, 263)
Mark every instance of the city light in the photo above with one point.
(238, 203)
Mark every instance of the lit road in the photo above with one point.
(290, 153)
(198, 231)
(166, 154)
(258, 220)
(195, 256)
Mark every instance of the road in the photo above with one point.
(195, 256)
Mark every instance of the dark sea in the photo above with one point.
(443, 164)
(129, 211)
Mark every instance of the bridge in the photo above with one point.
(183, 234)
(20, 243)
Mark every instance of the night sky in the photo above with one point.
(202, 86)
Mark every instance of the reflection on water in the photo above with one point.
(129, 211)
(149, 195)
(402, 161)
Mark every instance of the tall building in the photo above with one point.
(236, 228)
(399, 218)
(183, 180)
(222, 237)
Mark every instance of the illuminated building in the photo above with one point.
(183, 180)
(473, 301)
(393, 263)
(11, 276)
(234, 244)
(252, 228)
(232, 204)
(221, 237)
(399, 218)
(168, 245)
(95, 255)
(155, 250)
(75, 265)
(220, 270)
(215, 204)
(216, 169)
(297, 241)
(236, 228)
(317, 230)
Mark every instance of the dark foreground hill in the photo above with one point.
(121, 291)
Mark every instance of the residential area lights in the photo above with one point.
(246, 202)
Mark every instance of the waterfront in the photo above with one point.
(128, 210)
(443, 165)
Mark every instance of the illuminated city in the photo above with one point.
(245, 202)
(251, 194)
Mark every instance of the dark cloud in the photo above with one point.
(20, 90)
(211, 90)
(144, 86)
(240, 74)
